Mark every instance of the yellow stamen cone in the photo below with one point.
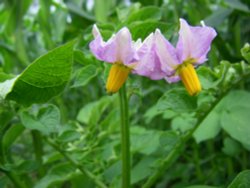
(190, 79)
(118, 74)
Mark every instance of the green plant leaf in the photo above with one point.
(46, 121)
(45, 78)
(245, 52)
(85, 74)
(146, 13)
(91, 113)
(231, 147)
(235, 121)
(242, 180)
(178, 100)
(141, 29)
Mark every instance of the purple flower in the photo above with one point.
(126, 56)
(191, 50)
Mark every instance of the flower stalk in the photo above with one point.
(125, 138)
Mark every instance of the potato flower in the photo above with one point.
(191, 50)
(125, 56)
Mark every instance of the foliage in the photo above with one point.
(59, 128)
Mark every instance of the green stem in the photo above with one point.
(125, 142)
(38, 148)
(15, 180)
(176, 152)
(77, 165)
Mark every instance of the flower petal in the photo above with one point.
(149, 64)
(166, 53)
(104, 51)
(125, 51)
(194, 42)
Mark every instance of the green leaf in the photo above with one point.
(69, 136)
(201, 186)
(235, 121)
(85, 74)
(218, 16)
(146, 13)
(223, 115)
(142, 169)
(47, 121)
(242, 180)
(183, 122)
(11, 135)
(141, 29)
(45, 78)
(58, 173)
(238, 5)
(178, 100)
(245, 52)
(207, 77)
(231, 147)
(91, 113)
(209, 128)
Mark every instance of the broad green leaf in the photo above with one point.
(27, 166)
(235, 121)
(84, 75)
(238, 5)
(209, 128)
(141, 29)
(144, 141)
(245, 52)
(168, 140)
(142, 169)
(146, 13)
(69, 136)
(201, 186)
(4, 76)
(183, 123)
(242, 180)
(207, 77)
(58, 173)
(178, 100)
(91, 113)
(218, 16)
(11, 135)
(231, 147)
(46, 121)
(223, 115)
(45, 78)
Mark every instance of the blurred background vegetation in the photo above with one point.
(83, 149)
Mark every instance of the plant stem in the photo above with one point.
(125, 142)
(77, 165)
(38, 148)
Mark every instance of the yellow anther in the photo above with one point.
(190, 79)
(118, 74)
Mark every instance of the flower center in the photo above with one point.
(118, 74)
(189, 78)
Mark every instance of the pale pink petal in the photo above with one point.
(166, 53)
(119, 48)
(149, 64)
(194, 42)
(125, 51)
(104, 51)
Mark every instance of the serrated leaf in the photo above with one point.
(45, 78)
